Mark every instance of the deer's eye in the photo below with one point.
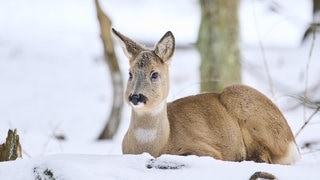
(154, 75)
(130, 75)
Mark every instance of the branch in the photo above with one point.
(307, 121)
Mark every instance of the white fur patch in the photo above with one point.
(139, 105)
(158, 109)
(292, 156)
(145, 135)
(154, 112)
(138, 108)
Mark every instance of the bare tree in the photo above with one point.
(110, 58)
(218, 44)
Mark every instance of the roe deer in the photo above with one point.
(237, 124)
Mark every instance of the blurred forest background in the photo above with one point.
(218, 45)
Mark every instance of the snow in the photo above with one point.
(53, 82)
(70, 166)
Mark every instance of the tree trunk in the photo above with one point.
(11, 149)
(316, 8)
(218, 44)
(110, 58)
(315, 24)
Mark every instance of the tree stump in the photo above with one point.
(11, 149)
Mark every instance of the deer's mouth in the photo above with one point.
(138, 99)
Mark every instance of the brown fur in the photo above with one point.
(237, 124)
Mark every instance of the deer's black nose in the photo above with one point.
(136, 98)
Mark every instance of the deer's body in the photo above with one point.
(237, 124)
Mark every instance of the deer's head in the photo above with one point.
(148, 83)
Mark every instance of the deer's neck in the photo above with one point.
(148, 131)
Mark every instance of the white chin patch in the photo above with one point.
(139, 105)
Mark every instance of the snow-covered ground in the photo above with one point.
(53, 82)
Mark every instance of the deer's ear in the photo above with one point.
(129, 47)
(165, 47)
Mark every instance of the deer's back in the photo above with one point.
(238, 124)
(201, 125)
(265, 131)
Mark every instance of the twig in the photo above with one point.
(262, 175)
(307, 121)
(263, 53)
(52, 136)
(310, 104)
(26, 153)
(310, 152)
(307, 70)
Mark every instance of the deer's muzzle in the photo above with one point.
(135, 99)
